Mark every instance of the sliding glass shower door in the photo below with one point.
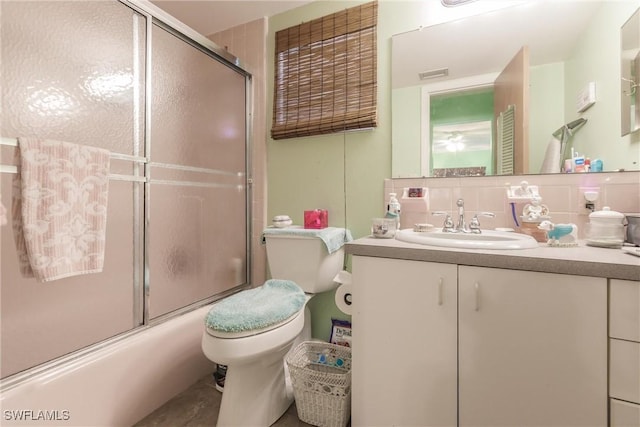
(197, 205)
(74, 71)
(174, 117)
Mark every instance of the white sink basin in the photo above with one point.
(488, 239)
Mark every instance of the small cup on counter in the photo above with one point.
(383, 228)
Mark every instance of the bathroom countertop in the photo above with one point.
(581, 260)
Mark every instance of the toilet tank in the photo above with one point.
(304, 260)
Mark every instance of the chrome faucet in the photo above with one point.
(449, 226)
(462, 227)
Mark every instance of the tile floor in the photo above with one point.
(198, 407)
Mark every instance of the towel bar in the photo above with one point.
(13, 142)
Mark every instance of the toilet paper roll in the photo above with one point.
(343, 277)
(343, 298)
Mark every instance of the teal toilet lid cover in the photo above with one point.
(259, 308)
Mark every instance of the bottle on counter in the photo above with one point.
(393, 209)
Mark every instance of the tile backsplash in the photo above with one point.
(562, 193)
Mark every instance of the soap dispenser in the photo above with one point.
(393, 209)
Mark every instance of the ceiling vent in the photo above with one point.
(433, 74)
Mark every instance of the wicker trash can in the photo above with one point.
(321, 377)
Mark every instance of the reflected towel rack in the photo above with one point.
(13, 142)
(506, 141)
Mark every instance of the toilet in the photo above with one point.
(253, 342)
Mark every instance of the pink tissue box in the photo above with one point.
(318, 218)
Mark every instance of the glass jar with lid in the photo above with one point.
(605, 228)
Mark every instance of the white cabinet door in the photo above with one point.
(532, 349)
(624, 313)
(624, 414)
(404, 343)
(624, 370)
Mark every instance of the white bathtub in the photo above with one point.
(117, 385)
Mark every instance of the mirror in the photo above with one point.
(573, 52)
(630, 74)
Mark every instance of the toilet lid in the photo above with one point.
(255, 310)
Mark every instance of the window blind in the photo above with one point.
(325, 75)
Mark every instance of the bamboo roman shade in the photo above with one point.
(325, 74)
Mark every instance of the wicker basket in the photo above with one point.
(321, 377)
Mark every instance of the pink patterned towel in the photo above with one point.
(60, 208)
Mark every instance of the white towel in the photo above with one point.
(333, 237)
(551, 162)
(60, 208)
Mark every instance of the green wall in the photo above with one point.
(464, 159)
(462, 108)
(344, 172)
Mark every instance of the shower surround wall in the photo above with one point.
(562, 193)
(177, 223)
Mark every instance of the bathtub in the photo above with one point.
(117, 385)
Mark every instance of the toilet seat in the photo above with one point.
(248, 333)
(257, 310)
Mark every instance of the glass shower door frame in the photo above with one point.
(156, 16)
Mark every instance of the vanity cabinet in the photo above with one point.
(404, 363)
(532, 348)
(624, 349)
(498, 347)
